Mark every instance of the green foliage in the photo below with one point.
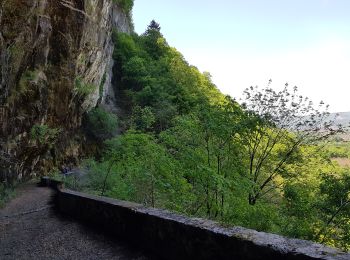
(142, 118)
(153, 41)
(55, 174)
(186, 147)
(83, 89)
(126, 46)
(262, 217)
(279, 124)
(137, 168)
(6, 193)
(43, 134)
(101, 124)
(125, 5)
(335, 229)
(149, 73)
(338, 150)
(70, 181)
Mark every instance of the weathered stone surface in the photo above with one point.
(45, 46)
(174, 236)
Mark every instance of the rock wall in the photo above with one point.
(55, 64)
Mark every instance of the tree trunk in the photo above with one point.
(252, 199)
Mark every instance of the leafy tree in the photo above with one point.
(141, 171)
(278, 124)
(101, 124)
(164, 111)
(153, 26)
(204, 144)
(299, 208)
(153, 41)
(142, 118)
(336, 210)
(126, 47)
(126, 5)
(135, 72)
(149, 73)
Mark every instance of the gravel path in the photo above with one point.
(30, 229)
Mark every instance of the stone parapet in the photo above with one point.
(173, 236)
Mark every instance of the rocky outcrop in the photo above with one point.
(55, 64)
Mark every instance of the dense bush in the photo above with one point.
(6, 193)
(101, 124)
(43, 134)
(125, 5)
(83, 89)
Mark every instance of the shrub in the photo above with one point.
(101, 124)
(125, 5)
(142, 118)
(43, 134)
(6, 193)
(83, 89)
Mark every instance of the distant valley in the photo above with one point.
(343, 118)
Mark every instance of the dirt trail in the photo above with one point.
(30, 229)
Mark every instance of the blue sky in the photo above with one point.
(247, 42)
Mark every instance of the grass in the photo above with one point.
(6, 193)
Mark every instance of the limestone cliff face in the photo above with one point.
(55, 64)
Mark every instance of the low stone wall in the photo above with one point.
(172, 236)
(54, 184)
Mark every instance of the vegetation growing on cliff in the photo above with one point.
(149, 73)
(83, 89)
(186, 147)
(126, 6)
(44, 135)
(100, 124)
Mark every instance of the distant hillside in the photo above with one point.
(343, 118)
